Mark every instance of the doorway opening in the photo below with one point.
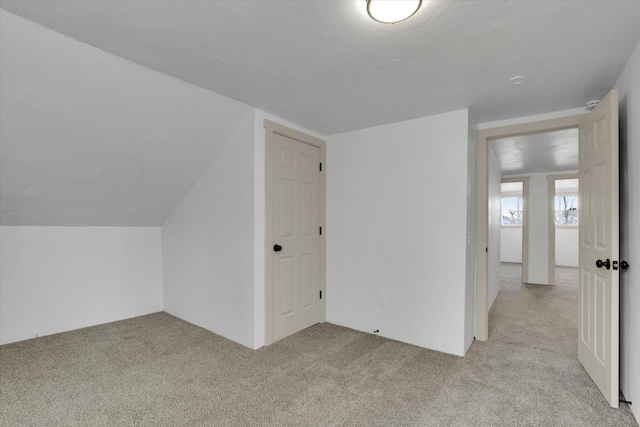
(598, 292)
(510, 133)
(535, 162)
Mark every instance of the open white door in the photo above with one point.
(598, 292)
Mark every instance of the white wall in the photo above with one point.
(470, 289)
(628, 86)
(494, 195)
(538, 229)
(120, 144)
(397, 224)
(567, 246)
(208, 243)
(56, 279)
(511, 244)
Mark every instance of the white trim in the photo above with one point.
(535, 118)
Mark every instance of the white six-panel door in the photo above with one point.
(598, 292)
(296, 232)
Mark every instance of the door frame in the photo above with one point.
(271, 129)
(552, 221)
(482, 217)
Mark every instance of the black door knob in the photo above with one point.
(277, 248)
(624, 265)
(606, 264)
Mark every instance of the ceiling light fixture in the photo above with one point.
(517, 80)
(392, 11)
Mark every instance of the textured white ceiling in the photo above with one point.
(555, 151)
(326, 66)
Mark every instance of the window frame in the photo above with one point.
(520, 205)
(575, 194)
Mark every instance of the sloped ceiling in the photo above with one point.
(89, 138)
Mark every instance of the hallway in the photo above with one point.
(536, 314)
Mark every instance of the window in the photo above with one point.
(512, 210)
(512, 204)
(566, 209)
(565, 202)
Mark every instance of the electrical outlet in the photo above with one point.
(382, 299)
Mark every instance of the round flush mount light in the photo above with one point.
(517, 80)
(392, 11)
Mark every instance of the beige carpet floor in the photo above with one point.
(157, 370)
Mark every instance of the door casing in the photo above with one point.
(482, 219)
(272, 128)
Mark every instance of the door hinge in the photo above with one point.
(320, 294)
(321, 231)
(486, 250)
(320, 167)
